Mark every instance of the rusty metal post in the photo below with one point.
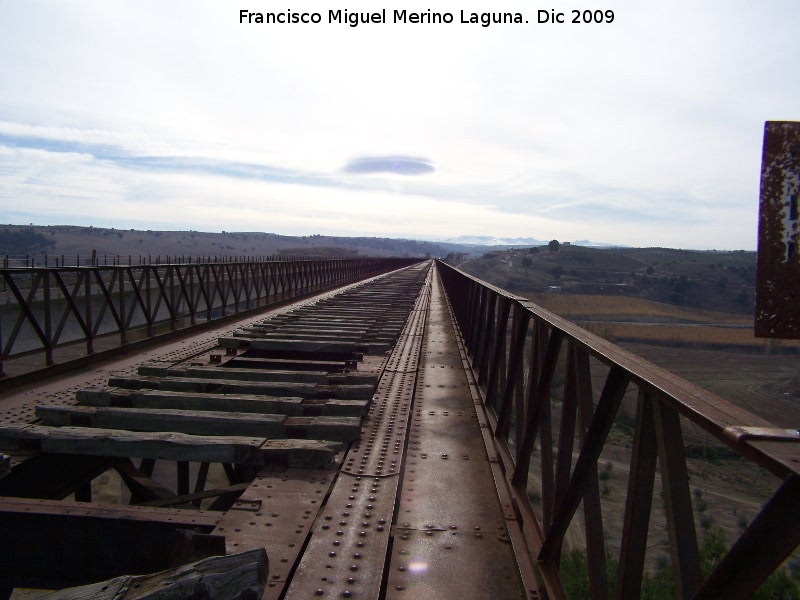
(638, 501)
(778, 291)
(677, 501)
(48, 318)
(88, 293)
(123, 317)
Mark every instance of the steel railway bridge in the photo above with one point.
(373, 428)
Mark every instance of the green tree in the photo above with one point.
(526, 262)
(553, 245)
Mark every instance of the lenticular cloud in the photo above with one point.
(402, 165)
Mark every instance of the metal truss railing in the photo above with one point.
(42, 309)
(520, 354)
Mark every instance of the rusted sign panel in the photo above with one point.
(778, 292)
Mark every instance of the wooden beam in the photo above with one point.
(345, 429)
(248, 403)
(173, 446)
(182, 421)
(119, 443)
(194, 498)
(142, 486)
(232, 386)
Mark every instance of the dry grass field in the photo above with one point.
(597, 307)
(621, 318)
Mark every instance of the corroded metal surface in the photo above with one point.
(451, 539)
(276, 513)
(778, 291)
(346, 554)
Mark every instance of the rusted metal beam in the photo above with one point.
(57, 544)
(52, 476)
(677, 501)
(638, 501)
(766, 543)
(592, 511)
(537, 397)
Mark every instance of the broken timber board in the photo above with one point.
(202, 422)
(234, 373)
(172, 446)
(249, 403)
(226, 386)
(182, 421)
(282, 345)
(120, 443)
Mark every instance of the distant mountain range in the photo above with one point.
(488, 240)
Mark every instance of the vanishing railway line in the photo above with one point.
(377, 440)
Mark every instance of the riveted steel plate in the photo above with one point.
(778, 291)
(347, 551)
(446, 564)
(276, 513)
(379, 452)
(449, 516)
(405, 356)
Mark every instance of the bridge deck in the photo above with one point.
(342, 435)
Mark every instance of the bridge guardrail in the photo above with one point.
(519, 354)
(44, 308)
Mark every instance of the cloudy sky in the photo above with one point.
(174, 115)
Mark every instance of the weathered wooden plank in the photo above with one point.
(282, 345)
(295, 335)
(233, 373)
(236, 488)
(115, 442)
(182, 421)
(340, 429)
(304, 454)
(259, 375)
(173, 446)
(317, 329)
(250, 403)
(229, 386)
(143, 487)
(232, 577)
(247, 362)
(299, 354)
(218, 386)
(202, 422)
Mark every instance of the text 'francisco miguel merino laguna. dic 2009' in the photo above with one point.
(428, 17)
